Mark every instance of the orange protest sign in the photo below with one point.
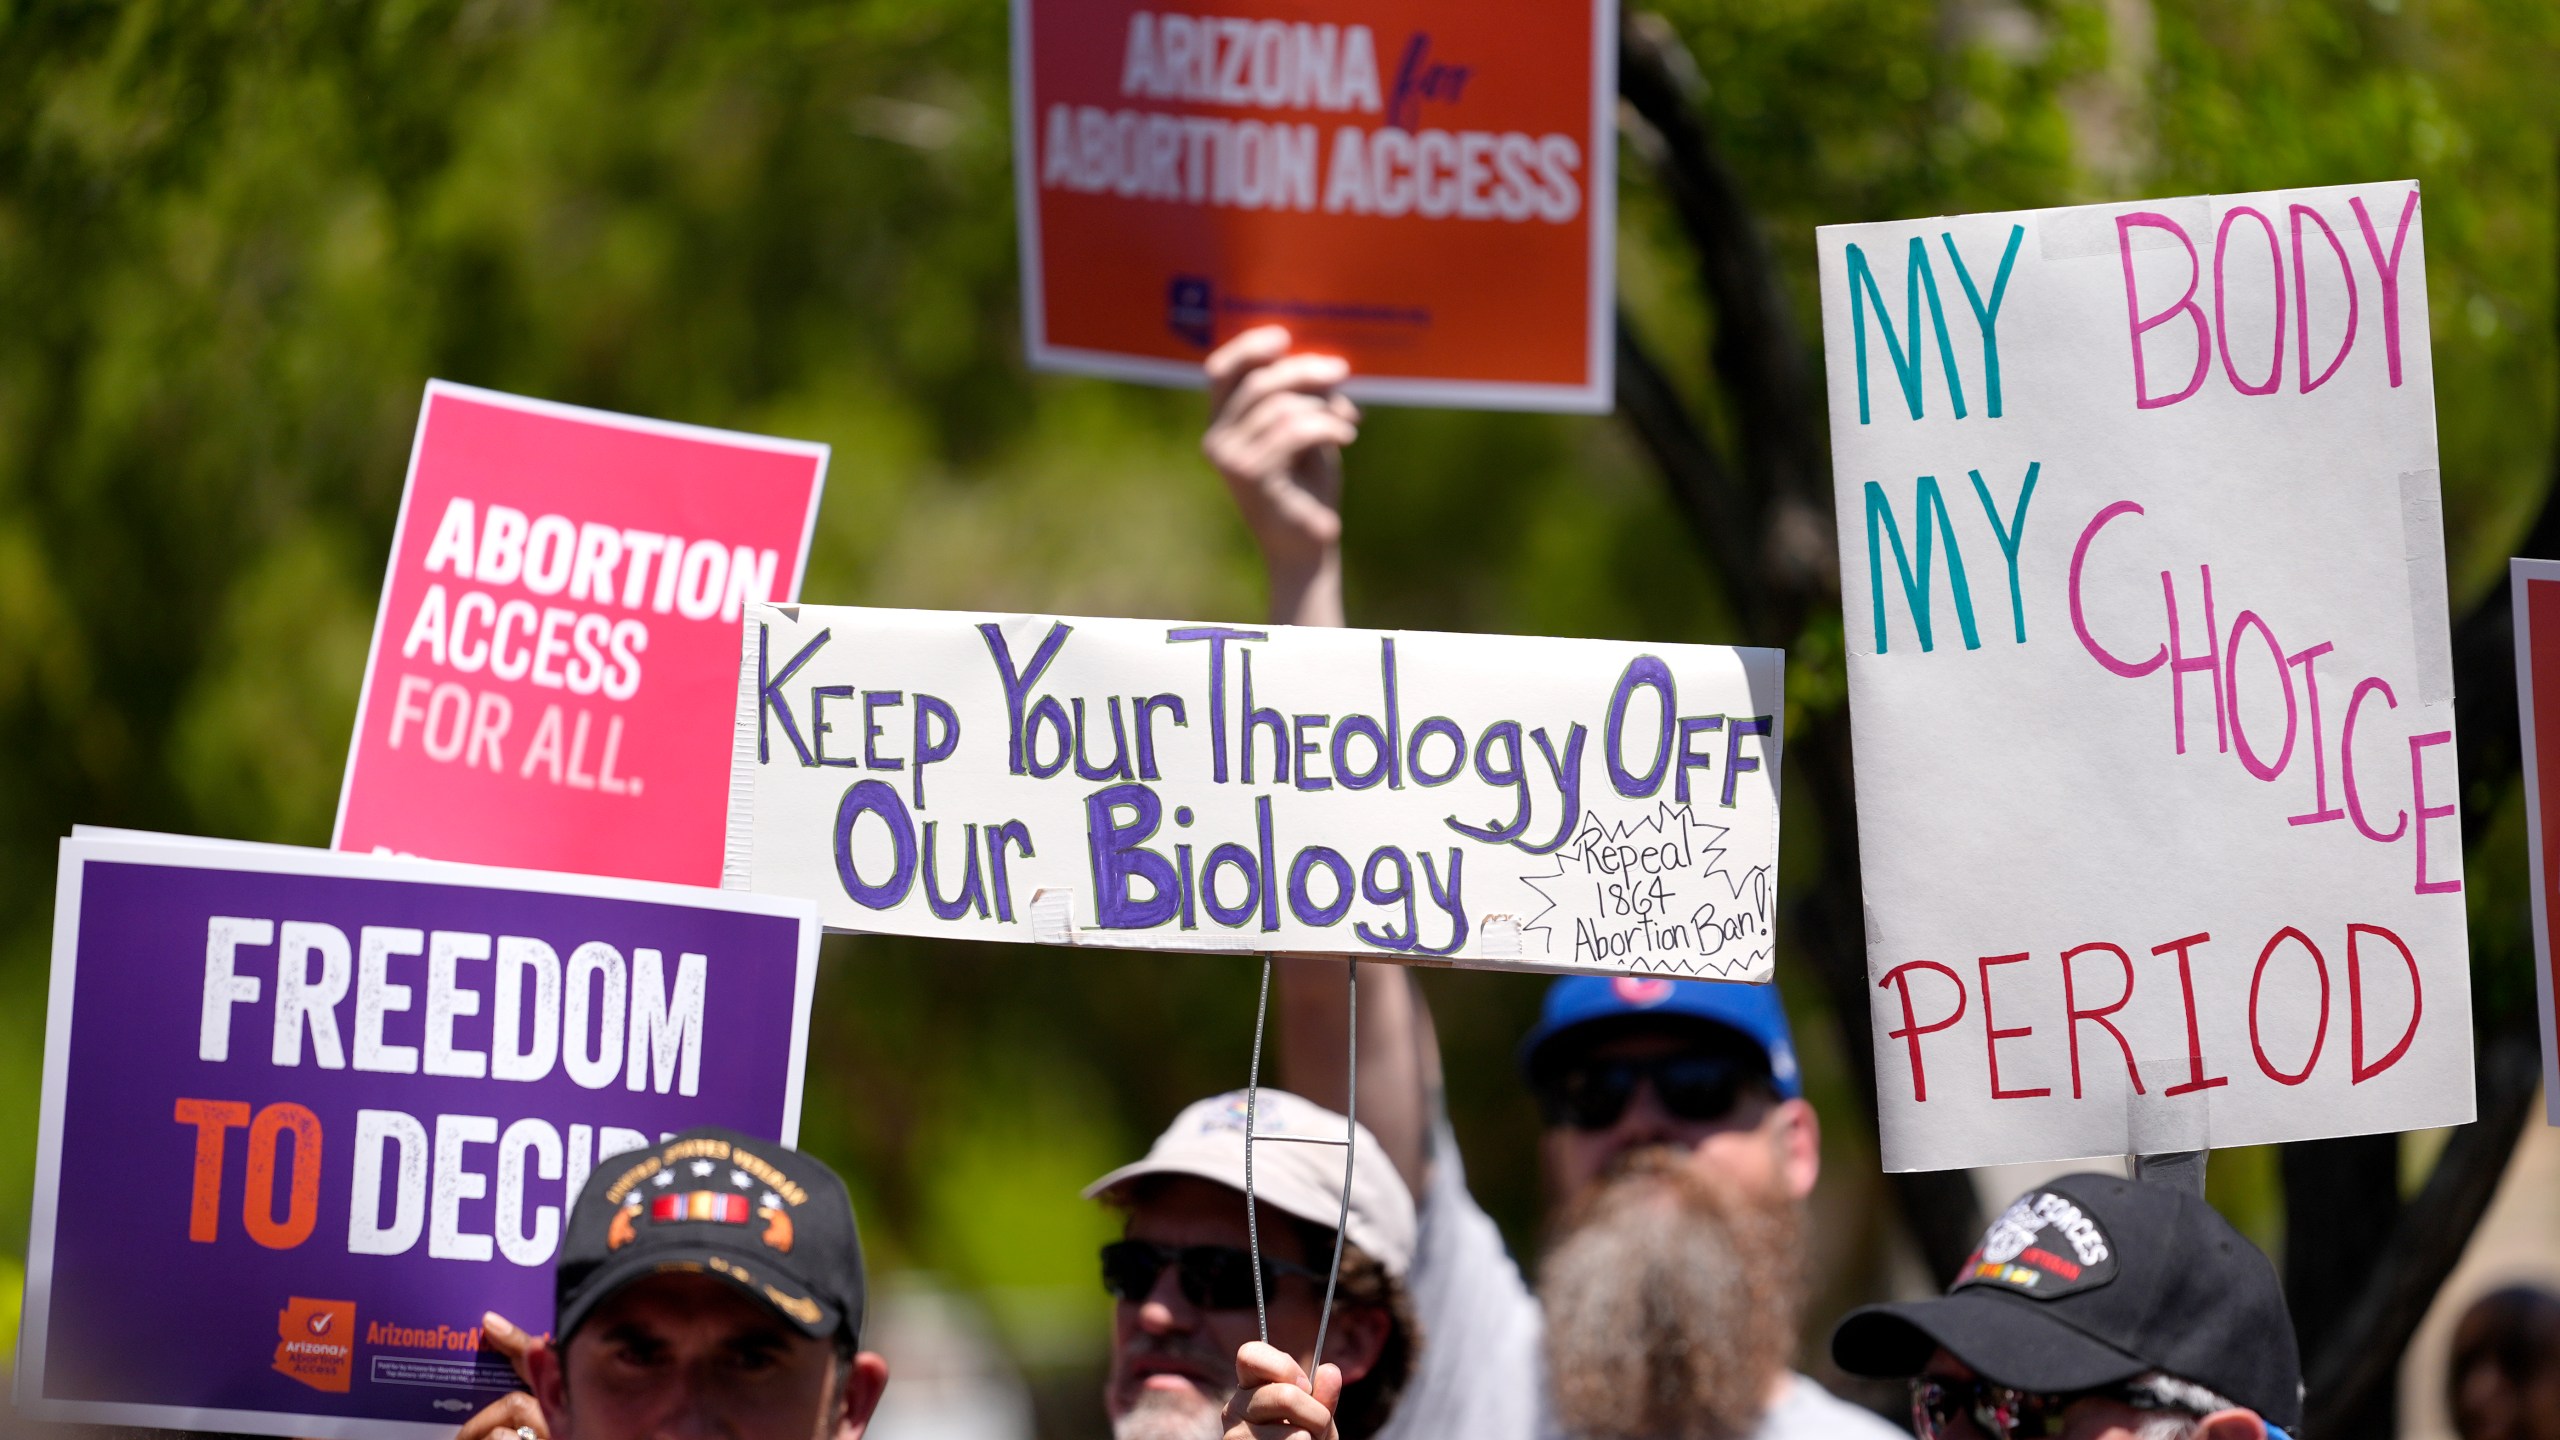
(1425, 188)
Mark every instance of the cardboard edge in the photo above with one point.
(738, 837)
(2520, 573)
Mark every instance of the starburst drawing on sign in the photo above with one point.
(1654, 895)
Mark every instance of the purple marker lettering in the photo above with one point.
(769, 699)
(1393, 741)
(1388, 937)
(1017, 685)
(1691, 726)
(1257, 717)
(1302, 903)
(1235, 857)
(1217, 636)
(875, 797)
(1568, 778)
(1119, 856)
(874, 701)
(1147, 709)
(1011, 832)
(1446, 728)
(971, 894)
(1645, 671)
(820, 727)
(1118, 769)
(1268, 851)
(1452, 900)
(931, 750)
(1737, 764)
(1307, 749)
(1054, 715)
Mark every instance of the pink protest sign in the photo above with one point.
(556, 655)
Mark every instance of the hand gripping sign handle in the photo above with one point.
(1350, 1153)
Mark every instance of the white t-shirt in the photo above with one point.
(1483, 1371)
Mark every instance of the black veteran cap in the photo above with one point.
(773, 1222)
(2090, 1281)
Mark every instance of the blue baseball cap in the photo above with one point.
(1751, 1011)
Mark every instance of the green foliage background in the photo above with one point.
(237, 237)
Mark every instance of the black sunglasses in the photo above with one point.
(1213, 1277)
(1592, 1094)
(1998, 1412)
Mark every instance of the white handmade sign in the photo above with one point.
(2152, 697)
(1484, 800)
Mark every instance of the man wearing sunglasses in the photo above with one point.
(2095, 1308)
(1679, 1148)
(1184, 1277)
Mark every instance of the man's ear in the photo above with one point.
(1357, 1339)
(545, 1371)
(2231, 1425)
(864, 1379)
(1797, 1132)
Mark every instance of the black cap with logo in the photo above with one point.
(773, 1222)
(2090, 1281)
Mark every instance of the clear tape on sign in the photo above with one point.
(2422, 538)
(2159, 1123)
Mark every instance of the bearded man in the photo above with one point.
(1679, 1147)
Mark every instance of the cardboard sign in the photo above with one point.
(2149, 674)
(1426, 189)
(2536, 584)
(1485, 800)
(549, 680)
(307, 1115)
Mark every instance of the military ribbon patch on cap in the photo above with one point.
(2043, 1246)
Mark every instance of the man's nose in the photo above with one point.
(1644, 1121)
(693, 1413)
(1166, 1310)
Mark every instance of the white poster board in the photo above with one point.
(2150, 684)
(1499, 801)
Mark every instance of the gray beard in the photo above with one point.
(1671, 1306)
(1161, 1415)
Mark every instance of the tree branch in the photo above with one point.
(1767, 529)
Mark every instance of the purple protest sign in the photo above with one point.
(307, 1115)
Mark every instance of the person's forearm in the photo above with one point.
(1399, 1058)
(1308, 592)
